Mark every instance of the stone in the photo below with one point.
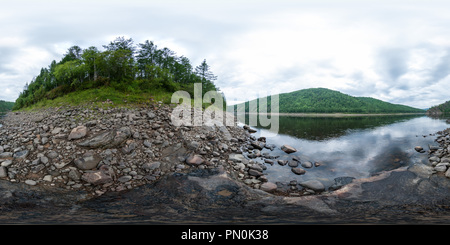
(268, 187)
(419, 149)
(314, 185)
(254, 172)
(6, 163)
(298, 171)
(30, 182)
(195, 160)
(21, 154)
(124, 178)
(307, 164)
(56, 130)
(52, 155)
(6, 155)
(258, 145)
(293, 164)
(78, 133)
(151, 165)
(88, 161)
(288, 149)
(110, 139)
(282, 162)
(98, 177)
(3, 172)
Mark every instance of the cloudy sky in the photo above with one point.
(397, 51)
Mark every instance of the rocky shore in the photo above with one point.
(439, 155)
(101, 150)
(78, 165)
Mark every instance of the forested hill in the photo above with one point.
(322, 100)
(443, 108)
(121, 67)
(5, 106)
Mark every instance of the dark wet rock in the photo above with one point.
(282, 162)
(268, 186)
(339, 182)
(258, 144)
(307, 164)
(288, 149)
(314, 185)
(293, 164)
(108, 139)
(298, 171)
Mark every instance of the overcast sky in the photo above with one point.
(396, 51)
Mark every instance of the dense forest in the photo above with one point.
(443, 108)
(321, 100)
(122, 65)
(5, 106)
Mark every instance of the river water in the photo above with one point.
(356, 146)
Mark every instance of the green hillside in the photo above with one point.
(443, 108)
(5, 106)
(322, 100)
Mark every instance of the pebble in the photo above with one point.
(30, 182)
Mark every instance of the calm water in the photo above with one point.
(350, 146)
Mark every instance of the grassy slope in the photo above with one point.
(103, 97)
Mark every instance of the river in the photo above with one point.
(357, 146)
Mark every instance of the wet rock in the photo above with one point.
(293, 164)
(78, 133)
(298, 171)
(88, 161)
(258, 145)
(268, 186)
(419, 149)
(282, 162)
(339, 182)
(307, 164)
(314, 185)
(288, 149)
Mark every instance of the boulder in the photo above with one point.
(268, 187)
(314, 185)
(298, 171)
(102, 176)
(108, 139)
(288, 149)
(195, 160)
(88, 161)
(78, 133)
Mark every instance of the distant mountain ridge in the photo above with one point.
(322, 100)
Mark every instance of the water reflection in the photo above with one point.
(351, 146)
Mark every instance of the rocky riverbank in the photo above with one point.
(100, 150)
(439, 155)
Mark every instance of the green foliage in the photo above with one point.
(321, 100)
(443, 108)
(122, 66)
(6, 106)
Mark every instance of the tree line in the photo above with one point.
(122, 65)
